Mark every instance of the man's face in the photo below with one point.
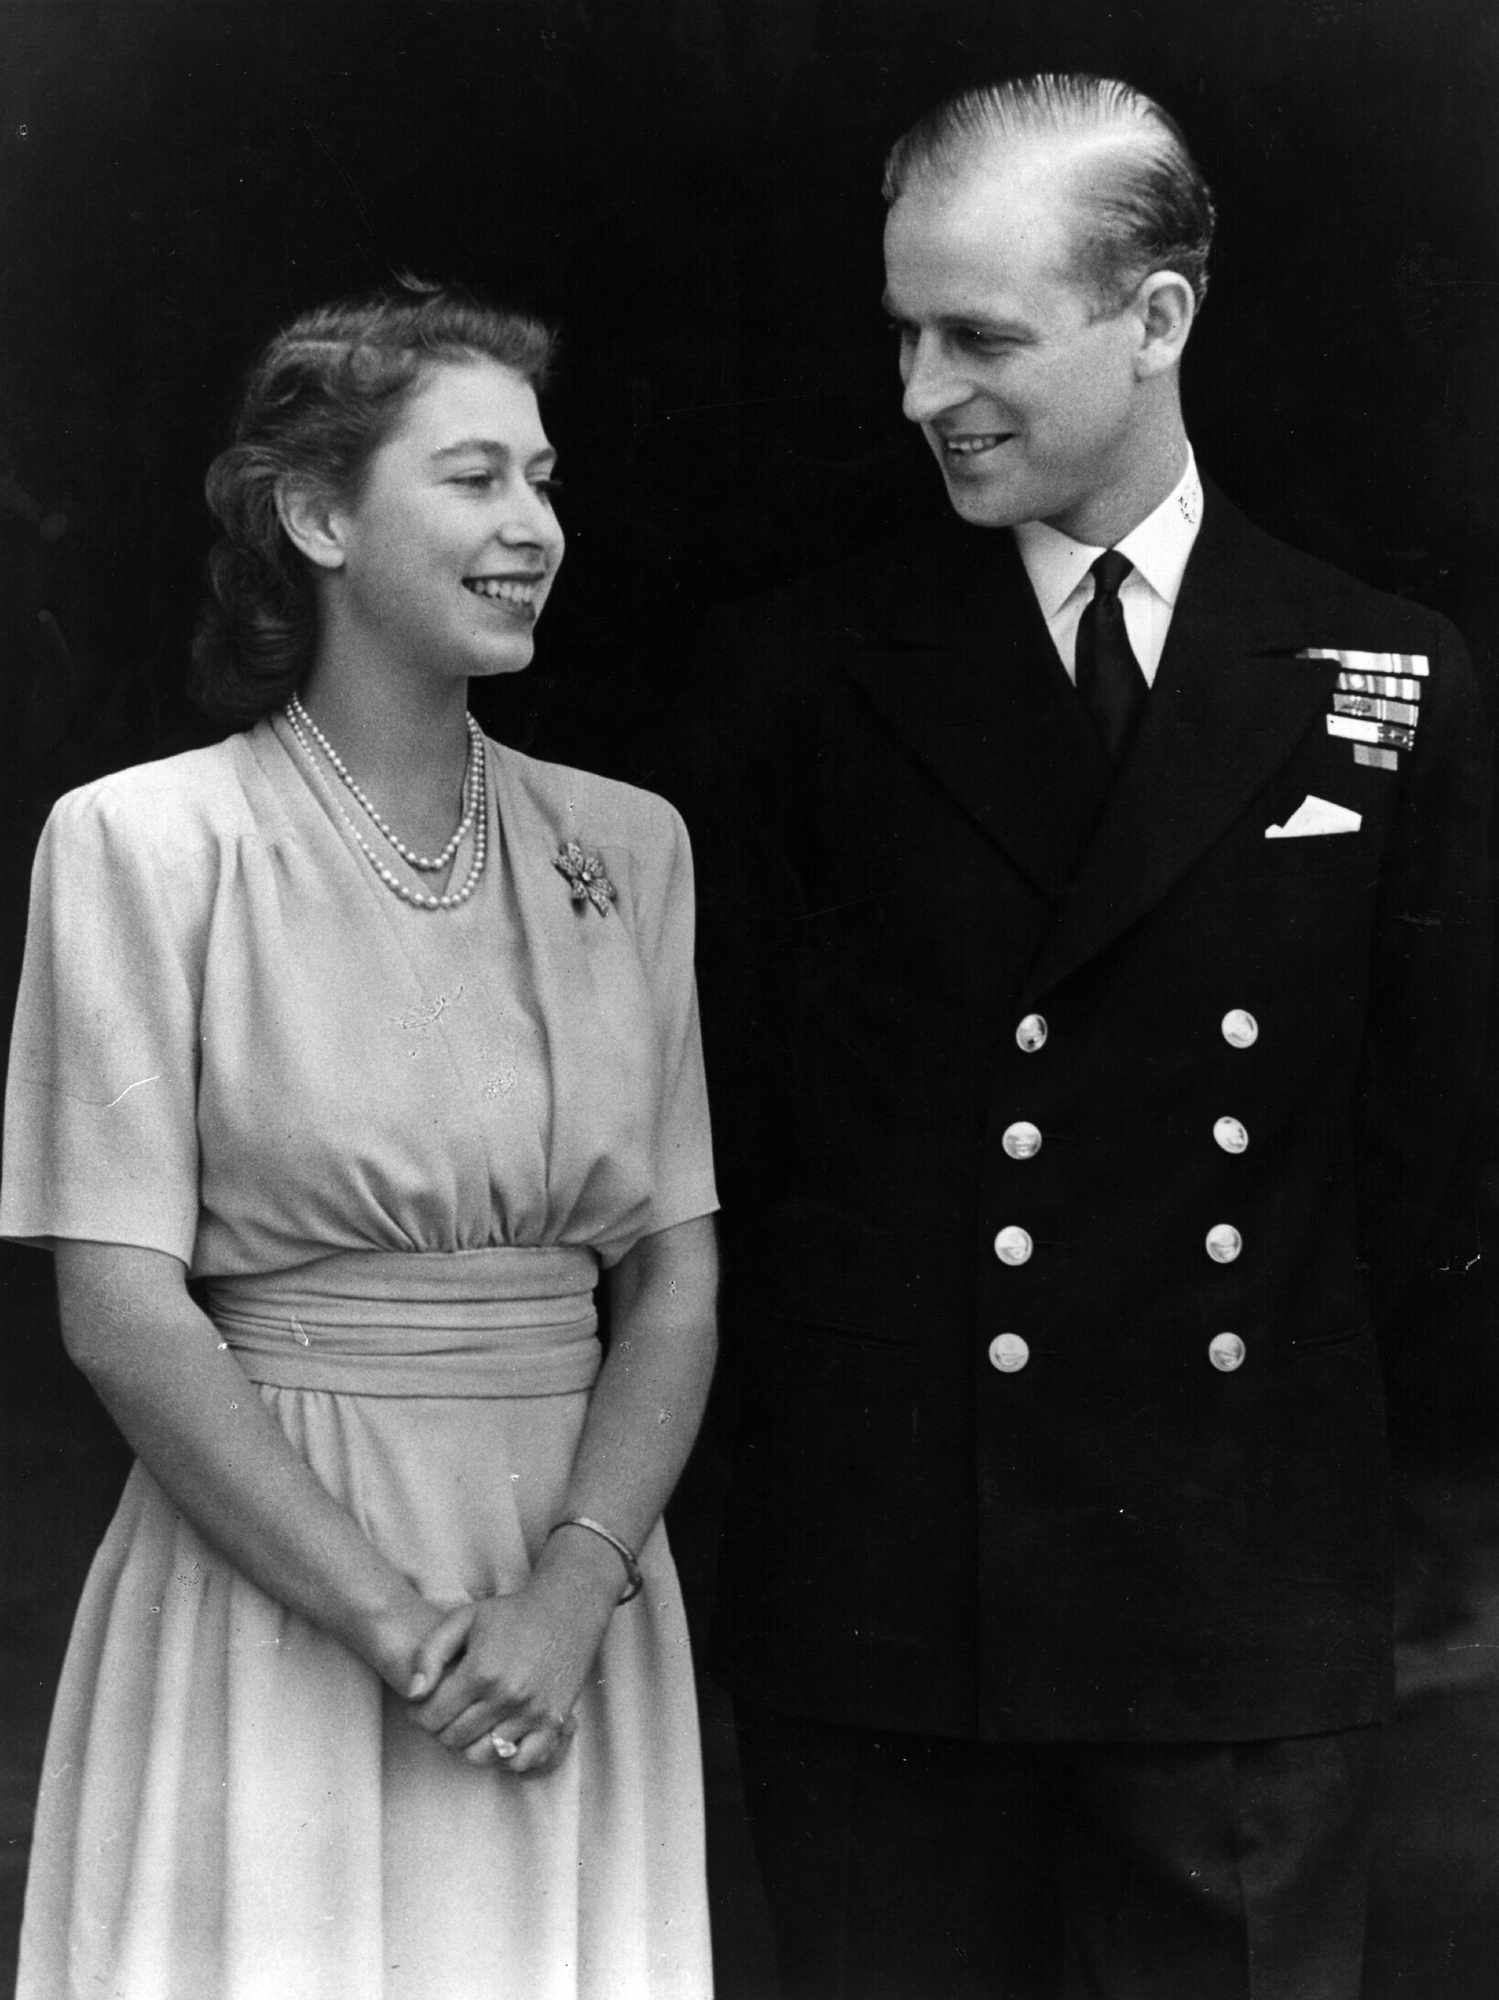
(1028, 398)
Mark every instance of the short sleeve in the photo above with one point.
(100, 1109)
(682, 1151)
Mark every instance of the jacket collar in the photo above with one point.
(1230, 702)
(957, 659)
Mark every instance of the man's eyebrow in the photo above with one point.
(957, 320)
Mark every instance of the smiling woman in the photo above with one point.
(380, 1688)
(325, 400)
(443, 556)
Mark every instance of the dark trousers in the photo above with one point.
(917, 1868)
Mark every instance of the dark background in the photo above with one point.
(690, 188)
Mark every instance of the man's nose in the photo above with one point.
(931, 383)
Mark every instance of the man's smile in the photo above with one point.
(971, 443)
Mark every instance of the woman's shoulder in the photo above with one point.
(587, 806)
(192, 799)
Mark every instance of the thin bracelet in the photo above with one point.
(622, 1549)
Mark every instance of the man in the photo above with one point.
(1098, 890)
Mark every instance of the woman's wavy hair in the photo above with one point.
(318, 404)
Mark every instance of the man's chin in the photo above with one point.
(980, 505)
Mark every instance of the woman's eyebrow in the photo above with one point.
(491, 448)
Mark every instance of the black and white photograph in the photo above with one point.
(748, 1205)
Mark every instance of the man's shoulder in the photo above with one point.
(1305, 592)
(863, 595)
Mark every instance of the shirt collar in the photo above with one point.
(1158, 547)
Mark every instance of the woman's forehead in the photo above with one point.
(470, 399)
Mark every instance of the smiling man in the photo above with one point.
(1097, 910)
(1042, 370)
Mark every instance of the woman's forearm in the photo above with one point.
(525, 1655)
(649, 1398)
(200, 1428)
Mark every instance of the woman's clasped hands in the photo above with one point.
(495, 1680)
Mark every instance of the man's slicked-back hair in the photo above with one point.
(1142, 203)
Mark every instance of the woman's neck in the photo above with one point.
(404, 741)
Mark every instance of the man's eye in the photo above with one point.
(478, 481)
(551, 486)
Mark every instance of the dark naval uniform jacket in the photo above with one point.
(1084, 1133)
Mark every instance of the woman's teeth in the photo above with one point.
(508, 590)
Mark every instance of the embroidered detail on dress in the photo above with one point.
(503, 1066)
(417, 1020)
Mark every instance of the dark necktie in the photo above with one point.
(1108, 674)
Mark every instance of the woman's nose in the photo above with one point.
(528, 519)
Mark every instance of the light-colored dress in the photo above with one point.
(397, 1146)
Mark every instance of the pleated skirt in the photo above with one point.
(234, 1808)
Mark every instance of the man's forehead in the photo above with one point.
(966, 233)
(1033, 184)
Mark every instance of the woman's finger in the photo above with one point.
(438, 1649)
(516, 1748)
(543, 1749)
(469, 1730)
(494, 1747)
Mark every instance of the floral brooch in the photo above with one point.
(587, 878)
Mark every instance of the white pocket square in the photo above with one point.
(1316, 815)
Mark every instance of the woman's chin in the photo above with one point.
(494, 666)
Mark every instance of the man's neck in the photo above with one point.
(1152, 463)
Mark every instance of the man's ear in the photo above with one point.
(1167, 306)
(312, 521)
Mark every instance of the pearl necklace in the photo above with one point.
(424, 864)
(303, 727)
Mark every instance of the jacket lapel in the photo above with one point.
(959, 663)
(1229, 704)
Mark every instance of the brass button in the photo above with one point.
(1226, 1351)
(1013, 1244)
(1231, 1135)
(1223, 1243)
(1008, 1353)
(1022, 1140)
(1240, 1029)
(1032, 1033)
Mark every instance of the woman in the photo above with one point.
(347, 1052)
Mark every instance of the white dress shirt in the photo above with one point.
(1058, 568)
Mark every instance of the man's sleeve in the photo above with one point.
(1424, 1099)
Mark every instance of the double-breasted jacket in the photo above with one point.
(1083, 1133)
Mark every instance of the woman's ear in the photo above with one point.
(312, 523)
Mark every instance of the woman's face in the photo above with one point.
(449, 549)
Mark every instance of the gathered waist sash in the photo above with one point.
(500, 1322)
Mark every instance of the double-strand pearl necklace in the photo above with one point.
(428, 865)
(307, 732)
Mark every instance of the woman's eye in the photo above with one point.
(550, 487)
(477, 482)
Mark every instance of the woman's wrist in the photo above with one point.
(584, 1524)
(584, 1569)
(386, 1634)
